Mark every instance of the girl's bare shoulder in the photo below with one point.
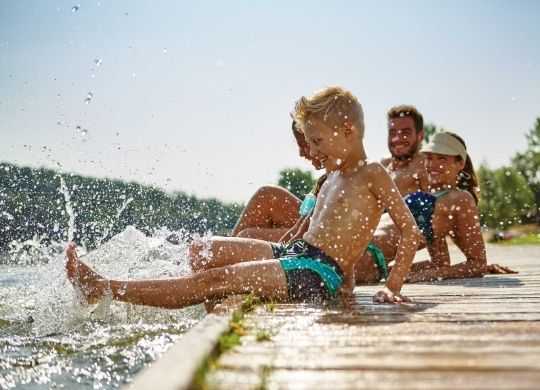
(458, 198)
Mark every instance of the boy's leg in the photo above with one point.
(270, 207)
(265, 278)
(223, 251)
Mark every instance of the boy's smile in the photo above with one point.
(330, 146)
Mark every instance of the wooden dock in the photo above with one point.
(469, 334)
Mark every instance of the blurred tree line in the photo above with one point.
(33, 206)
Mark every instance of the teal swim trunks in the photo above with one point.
(312, 275)
(379, 260)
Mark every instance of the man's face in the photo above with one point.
(403, 140)
(330, 146)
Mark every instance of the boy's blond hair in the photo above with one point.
(334, 105)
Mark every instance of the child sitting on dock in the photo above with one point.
(320, 265)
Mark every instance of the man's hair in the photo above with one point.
(407, 111)
(334, 105)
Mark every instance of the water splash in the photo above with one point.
(119, 212)
(88, 98)
(81, 131)
(69, 209)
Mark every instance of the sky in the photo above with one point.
(195, 96)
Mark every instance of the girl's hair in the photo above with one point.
(319, 184)
(467, 177)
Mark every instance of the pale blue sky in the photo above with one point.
(195, 96)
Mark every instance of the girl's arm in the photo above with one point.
(303, 225)
(292, 231)
(464, 228)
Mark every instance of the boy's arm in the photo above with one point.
(385, 190)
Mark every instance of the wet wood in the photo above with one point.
(469, 334)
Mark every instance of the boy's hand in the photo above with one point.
(499, 269)
(387, 296)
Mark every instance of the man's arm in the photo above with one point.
(385, 190)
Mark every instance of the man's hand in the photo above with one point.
(499, 269)
(387, 296)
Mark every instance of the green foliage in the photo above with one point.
(505, 197)
(528, 162)
(297, 181)
(429, 131)
(529, 239)
(31, 205)
(263, 335)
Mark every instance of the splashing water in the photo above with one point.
(69, 209)
(117, 217)
(47, 338)
(88, 98)
(82, 132)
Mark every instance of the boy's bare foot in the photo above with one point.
(92, 285)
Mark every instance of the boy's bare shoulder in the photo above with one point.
(375, 169)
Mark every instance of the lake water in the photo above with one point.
(49, 340)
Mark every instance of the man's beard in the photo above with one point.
(409, 155)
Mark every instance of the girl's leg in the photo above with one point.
(270, 207)
(223, 251)
(264, 278)
(267, 234)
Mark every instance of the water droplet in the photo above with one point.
(339, 161)
(98, 61)
(164, 50)
(83, 132)
(89, 97)
(75, 8)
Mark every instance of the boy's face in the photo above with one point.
(328, 144)
(403, 140)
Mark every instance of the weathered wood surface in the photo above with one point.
(468, 334)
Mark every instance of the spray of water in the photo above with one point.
(119, 212)
(69, 209)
